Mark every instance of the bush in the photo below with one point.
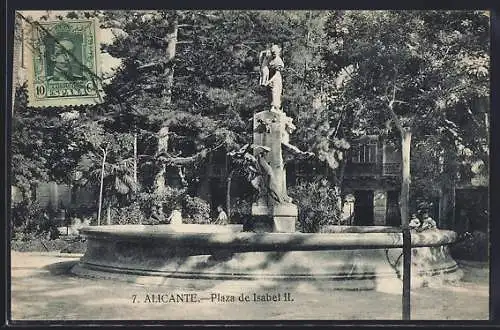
(317, 203)
(83, 211)
(23, 235)
(168, 200)
(30, 220)
(241, 210)
(43, 245)
(154, 209)
(471, 246)
(26, 213)
(141, 209)
(128, 215)
(195, 210)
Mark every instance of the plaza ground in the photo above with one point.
(43, 289)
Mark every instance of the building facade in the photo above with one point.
(371, 182)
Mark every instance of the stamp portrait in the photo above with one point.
(64, 66)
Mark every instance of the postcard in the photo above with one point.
(250, 165)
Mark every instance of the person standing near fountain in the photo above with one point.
(175, 217)
(414, 222)
(427, 221)
(222, 217)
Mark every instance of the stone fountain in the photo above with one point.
(358, 258)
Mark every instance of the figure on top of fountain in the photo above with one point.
(271, 66)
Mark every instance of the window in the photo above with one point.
(366, 153)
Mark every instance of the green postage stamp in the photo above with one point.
(64, 63)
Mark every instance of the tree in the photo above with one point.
(213, 91)
(429, 80)
(107, 163)
(411, 78)
(187, 83)
(43, 145)
(144, 89)
(235, 88)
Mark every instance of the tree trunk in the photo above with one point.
(448, 189)
(228, 195)
(339, 182)
(135, 168)
(166, 94)
(169, 68)
(135, 159)
(404, 206)
(108, 212)
(340, 176)
(104, 154)
(159, 183)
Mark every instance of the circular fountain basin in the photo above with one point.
(341, 257)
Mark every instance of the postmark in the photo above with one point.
(64, 68)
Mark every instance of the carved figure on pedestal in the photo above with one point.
(266, 182)
(263, 126)
(275, 82)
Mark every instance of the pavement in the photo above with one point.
(42, 288)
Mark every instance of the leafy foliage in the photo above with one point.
(343, 69)
(471, 246)
(195, 210)
(170, 199)
(43, 145)
(241, 210)
(127, 215)
(24, 214)
(31, 221)
(317, 202)
(427, 69)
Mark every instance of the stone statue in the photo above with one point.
(265, 181)
(273, 210)
(256, 176)
(275, 82)
(269, 182)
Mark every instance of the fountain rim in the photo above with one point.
(249, 241)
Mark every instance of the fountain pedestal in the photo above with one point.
(273, 211)
(280, 218)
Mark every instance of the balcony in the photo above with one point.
(391, 169)
(362, 169)
(373, 169)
